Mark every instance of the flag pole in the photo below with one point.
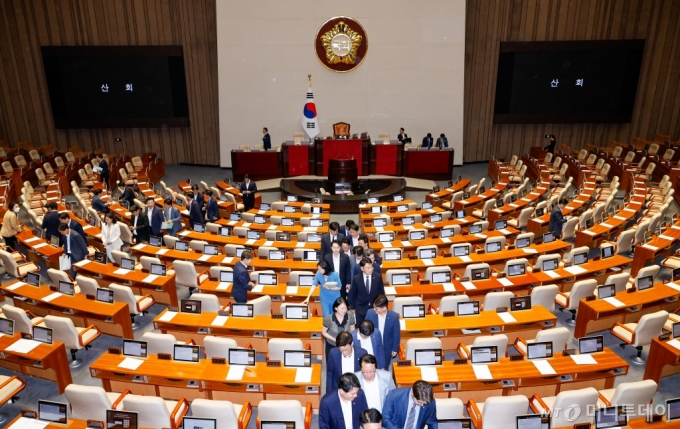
(309, 76)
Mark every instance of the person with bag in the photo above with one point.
(75, 249)
(111, 235)
(11, 226)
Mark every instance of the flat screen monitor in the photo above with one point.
(7, 327)
(180, 203)
(376, 210)
(607, 252)
(413, 311)
(54, 240)
(225, 231)
(277, 425)
(676, 329)
(540, 212)
(460, 214)
(610, 417)
(645, 282)
(519, 303)
(499, 203)
(487, 354)
(121, 419)
(134, 348)
(548, 237)
(427, 205)
(297, 312)
(242, 357)
(392, 255)
(198, 423)
(673, 409)
(372, 200)
(540, 350)
(199, 227)
(283, 236)
(403, 279)
(479, 273)
(210, 249)
(580, 258)
(424, 357)
(501, 224)
(286, 221)
(310, 255)
(186, 353)
(305, 280)
(105, 295)
(435, 218)
(155, 241)
(100, 257)
(277, 255)
(297, 358)
(606, 291)
(33, 279)
(53, 412)
(468, 308)
(268, 279)
(454, 423)
(441, 276)
(127, 264)
(590, 344)
(446, 232)
(589, 223)
(513, 198)
(533, 421)
(226, 276)
(316, 223)
(494, 246)
(398, 198)
(42, 334)
(158, 269)
(427, 253)
(379, 222)
(475, 228)
(314, 238)
(516, 269)
(550, 264)
(181, 246)
(253, 235)
(461, 251)
(385, 237)
(67, 288)
(239, 251)
(408, 220)
(260, 220)
(234, 217)
(676, 274)
(265, 206)
(191, 306)
(317, 210)
(242, 310)
(416, 235)
(292, 198)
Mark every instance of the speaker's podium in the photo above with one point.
(342, 170)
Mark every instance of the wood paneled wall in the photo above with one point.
(490, 22)
(25, 112)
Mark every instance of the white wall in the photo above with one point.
(412, 75)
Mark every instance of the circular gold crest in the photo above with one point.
(341, 44)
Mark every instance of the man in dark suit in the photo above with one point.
(557, 219)
(344, 229)
(387, 323)
(139, 225)
(242, 283)
(155, 216)
(73, 225)
(365, 287)
(248, 189)
(442, 141)
(364, 242)
(128, 194)
(370, 254)
(74, 246)
(50, 223)
(104, 174)
(199, 197)
(399, 411)
(341, 407)
(171, 214)
(328, 239)
(402, 136)
(212, 212)
(340, 263)
(266, 140)
(195, 213)
(427, 141)
(369, 339)
(342, 359)
(97, 203)
(551, 146)
(355, 259)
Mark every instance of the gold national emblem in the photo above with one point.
(341, 44)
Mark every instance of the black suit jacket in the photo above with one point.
(442, 142)
(129, 196)
(401, 137)
(78, 248)
(556, 221)
(50, 224)
(75, 226)
(195, 213)
(330, 411)
(427, 142)
(345, 271)
(359, 298)
(326, 244)
(266, 141)
(248, 199)
(156, 220)
(142, 227)
(105, 171)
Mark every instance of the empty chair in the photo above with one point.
(118, 256)
(400, 302)
(489, 245)
(497, 411)
(73, 337)
(523, 219)
(231, 249)
(449, 408)
(633, 395)
(570, 300)
(146, 262)
(24, 320)
(523, 236)
(519, 177)
(396, 271)
(87, 285)
(560, 175)
(640, 334)
(469, 268)
(620, 281)
(286, 409)
(262, 306)
(413, 344)
(500, 341)
(209, 302)
(91, 402)
(16, 269)
(569, 228)
(160, 343)
(545, 296)
(484, 224)
(581, 399)
(226, 414)
(57, 276)
(569, 256)
(647, 175)
(294, 276)
(557, 336)
(277, 346)
(430, 270)
(624, 243)
(484, 212)
(137, 304)
(218, 347)
(9, 387)
(186, 275)
(432, 254)
(493, 300)
(518, 261)
(468, 245)
(652, 270)
(450, 303)
(156, 413)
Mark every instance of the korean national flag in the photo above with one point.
(309, 123)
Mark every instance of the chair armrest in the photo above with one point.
(30, 314)
(622, 326)
(538, 399)
(432, 309)
(244, 415)
(82, 333)
(603, 399)
(463, 348)
(308, 346)
(173, 416)
(190, 342)
(520, 340)
(120, 398)
(142, 298)
(402, 352)
(8, 381)
(565, 296)
(474, 413)
(308, 415)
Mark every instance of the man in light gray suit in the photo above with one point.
(376, 383)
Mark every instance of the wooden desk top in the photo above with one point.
(38, 245)
(524, 202)
(256, 323)
(448, 192)
(366, 216)
(480, 198)
(590, 268)
(109, 270)
(37, 354)
(638, 298)
(265, 227)
(478, 286)
(400, 228)
(574, 205)
(211, 286)
(515, 370)
(218, 239)
(484, 319)
(448, 241)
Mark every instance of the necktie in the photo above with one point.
(368, 285)
(411, 418)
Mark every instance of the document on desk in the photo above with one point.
(505, 281)
(122, 272)
(482, 236)
(224, 286)
(204, 258)
(552, 274)
(246, 224)
(619, 217)
(139, 246)
(586, 359)
(482, 372)
(589, 232)
(390, 290)
(82, 263)
(402, 324)
(576, 269)
(268, 243)
(666, 237)
(471, 331)
(507, 317)
(429, 373)
(22, 346)
(445, 240)
(303, 375)
(250, 242)
(27, 423)
(615, 302)
(513, 205)
(227, 260)
(309, 228)
(300, 244)
(258, 288)
(505, 231)
(130, 363)
(184, 233)
(670, 285)
(236, 372)
(650, 247)
(406, 244)
(606, 225)
(291, 290)
(39, 245)
(270, 227)
(449, 287)
(529, 250)
(31, 240)
(150, 278)
(407, 227)
(544, 367)
(16, 285)
(428, 262)
(52, 296)
(167, 316)
(219, 321)
(468, 285)
(162, 251)
(466, 259)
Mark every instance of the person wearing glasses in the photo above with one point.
(412, 408)
(376, 383)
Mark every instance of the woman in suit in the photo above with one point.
(11, 226)
(111, 235)
(328, 294)
(340, 320)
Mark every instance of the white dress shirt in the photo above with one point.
(372, 392)
(366, 344)
(346, 407)
(134, 223)
(149, 212)
(381, 323)
(348, 363)
(336, 263)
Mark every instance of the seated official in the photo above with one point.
(342, 359)
(376, 383)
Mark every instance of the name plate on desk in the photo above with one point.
(424, 282)
(164, 356)
(277, 316)
(114, 351)
(449, 313)
(582, 426)
(517, 357)
(274, 363)
(219, 361)
(568, 352)
(460, 361)
(404, 363)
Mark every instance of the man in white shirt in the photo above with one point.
(354, 235)
(347, 398)
(370, 340)
(376, 383)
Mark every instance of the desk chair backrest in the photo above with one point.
(185, 274)
(450, 303)
(277, 346)
(118, 256)
(88, 285)
(159, 343)
(124, 294)
(500, 240)
(484, 224)
(57, 276)
(247, 217)
(584, 399)
(63, 330)
(624, 243)
(648, 327)
(500, 341)
(636, 393)
(558, 337)
(390, 273)
(449, 408)
(401, 301)
(87, 402)
(530, 235)
(588, 214)
(569, 228)
(21, 321)
(223, 412)
(569, 257)
(620, 281)
(597, 213)
(218, 347)
(413, 344)
(523, 261)
(262, 306)
(152, 411)
(169, 241)
(197, 245)
(146, 261)
(544, 296)
(493, 300)
(230, 249)
(430, 270)
(499, 410)
(581, 290)
(469, 268)
(651, 270)
(209, 302)
(278, 410)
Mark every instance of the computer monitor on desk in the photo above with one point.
(548, 237)
(33, 279)
(550, 264)
(158, 269)
(475, 228)
(533, 421)
(607, 252)
(494, 246)
(242, 310)
(520, 303)
(542, 350)
(413, 311)
(134, 348)
(516, 269)
(454, 423)
(105, 295)
(580, 258)
(121, 419)
(267, 279)
(427, 253)
(460, 214)
(676, 329)
(305, 280)
(53, 412)
(673, 409)
(424, 357)
(297, 358)
(385, 237)
(606, 291)
(42, 334)
(198, 423)
(468, 308)
(186, 353)
(7, 327)
(277, 425)
(127, 264)
(297, 312)
(483, 355)
(210, 249)
(479, 273)
(610, 417)
(191, 306)
(401, 279)
(182, 246)
(645, 282)
(441, 277)
(244, 357)
(593, 344)
(459, 251)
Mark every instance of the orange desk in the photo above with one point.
(399, 229)
(187, 235)
(513, 209)
(448, 192)
(592, 237)
(264, 227)
(539, 225)
(39, 249)
(278, 293)
(659, 245)
(598, 270)
(663, 360)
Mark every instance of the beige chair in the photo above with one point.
(640, 334)
(137, 304)
(450, 303)
(24, 320)
(399, 303)
(262, 306)
(413, 344)
(288, 409)
(470, 267)
(557, 336)
(9, 387)
(544, 296)
(186, 275)
(449, 408)
(73, 337)
(499, 341)
(581, 399)
(218, 346)
(484, 212)
(632, 395)
(161, 343)
(493, 300)
(570, 300)
(497, 411)
(209, 302)
(91, 402)
(523, 219)
(14, 268)
(277, 346)
(156, 413)
(226, 414)
(57, 276)
(430, 270)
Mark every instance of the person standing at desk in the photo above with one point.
(65, 219)
(341, 407)
(111, 235)
(402, 136)
(139, 225)
(557, 219)
(266, 140)
(248, 189)
(212, 211)
(50, 223)
(242, 283)
(427, 141)
(195, 213)
(74, 246)
(365, 287)
(128, 194)
(410, 408)
(104, 173)
(339, 263)
(442, 141)
(551, 146)
(328, 294)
